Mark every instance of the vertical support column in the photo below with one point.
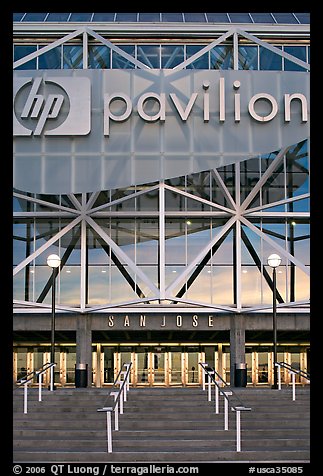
(161, 241)
(84, 343)
(237, 343)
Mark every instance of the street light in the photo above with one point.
(274, 261)
(53, 261)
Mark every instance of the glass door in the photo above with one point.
(175, 366)
(143, 366)
(192, 358)
(158, 360)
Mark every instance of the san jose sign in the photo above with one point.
(93, 129)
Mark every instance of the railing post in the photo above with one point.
(216, 399)
(209, 388)
(203, 378)
(238, 431)
(279, 378)
(25, 397)
(226, 411)
(52, 378)
(293, 382)
(109, 432)
(39, 388)
(121, 405)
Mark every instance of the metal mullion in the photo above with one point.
(238, 265)
(120, 200)
(85, 50)
(83, 283)
(235, 51)
(44, 247)
(199, 303)
(162, 269)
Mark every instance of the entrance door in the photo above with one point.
(158, 361)
(175, 367)
(191, 364)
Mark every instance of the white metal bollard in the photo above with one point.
(238, 431)
(293, 382)
(39, 388)
(109, 432)
(52, 378)
(279, 378)
(226, 411)
(25, 397)
(209, 388)
(203, 379)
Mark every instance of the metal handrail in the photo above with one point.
(218, 390)
(120, 396)
(29, 377)
(293, 372)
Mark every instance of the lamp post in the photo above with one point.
(274, 261)
(53, 261)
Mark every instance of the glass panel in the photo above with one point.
(149, 55)
(80, 17)
(159, 365)
(21, 362)
(149, 17)
(303, 17)
(131, 17)
(248, 356)
(99, 57)
(270, 60)
(262, 18)
(221, 57)
(51, 59)
(200, 63)
(175, 367)
(142, 354)
(119, 62)
(298, 52)
(35, 16)
(240, 17)
(57, 16)
(17, 16)
(72, 57)
(171, 55)
(108, 364)
(262, 369)
(194, 17)
(285, 18)
(70, 363)
(193, 366)
(218, 18)
(103, 17)
(175, 17)
(248, 57)
(21, 52)
(222, 285)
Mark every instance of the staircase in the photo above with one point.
(161, 425)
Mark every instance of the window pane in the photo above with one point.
(218, 18)
(221, 57)
(285, 18)
(72, 57)
(51, 59)
(171, 55)
(262, 18)
(303, 17)
(248, 57)
(299, 52)
(149, 17)
(99, 57)
(21, 52)
(192, 17)
(149, 55)
(270, 60)
(80, 17)
(239, 17)
(172, 17)
(35, 16)
(126, 17)
(17, 16)
(200, 63)
(119, 61)
(103, 17)
(57, 16)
